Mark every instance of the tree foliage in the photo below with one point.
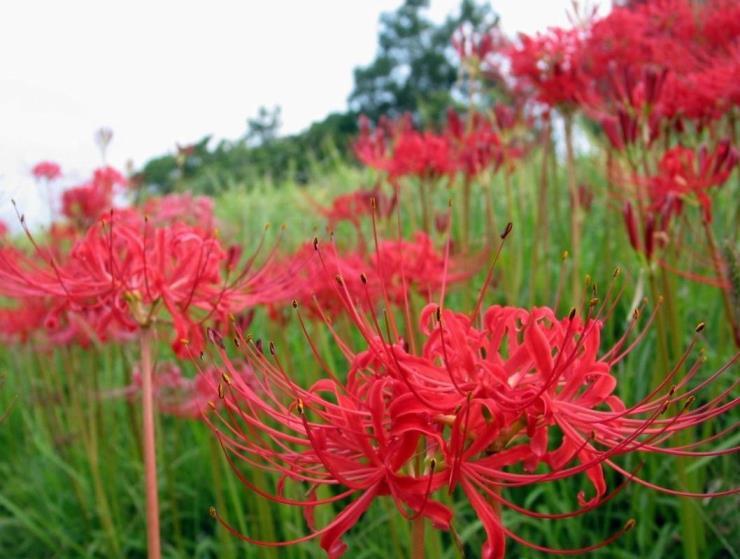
(415, 69)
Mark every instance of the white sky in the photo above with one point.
(160, 72)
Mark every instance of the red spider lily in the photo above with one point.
(355, 206)
(386, 274)
(3, 229)
(371, 146)
(487, 403)
(481, 53)
(47, 170)
(470, 44)
(475, 147)
(186, 208)
(107, 178)
(424, 155)
(396, 148)
(184, 397)
(85, 203)
(19, 322)
(549, 65)
(59, 324)
(631, 110)
(684, 174)
(124, 271)
(639, 69)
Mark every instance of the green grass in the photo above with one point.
(71, 474)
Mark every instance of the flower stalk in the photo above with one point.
(575, 210)
(150, 454)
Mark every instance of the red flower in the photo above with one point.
(523, 398)
(107, 178)
(420, 154)
(354, 206)
(126, 271)
(86, 203)
(549, 64)
(184, 397)
(688, 174)
(185, 208)
(371, 146)
(399, 150)
(47, 170)
(384, 275)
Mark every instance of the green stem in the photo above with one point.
(691, 526)
(466, 214)
(722, 277)
(425, 207)
(575, 211)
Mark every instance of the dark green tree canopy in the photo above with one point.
(415, 69)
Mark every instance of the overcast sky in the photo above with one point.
(161, 72)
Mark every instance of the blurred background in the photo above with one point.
(271, 75)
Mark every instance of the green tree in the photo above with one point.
(263, 128)
(415, 69)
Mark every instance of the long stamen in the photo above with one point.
(489, 273)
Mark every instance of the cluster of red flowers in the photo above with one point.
(188, 398)
(85, 203)
(475, 403)
(486, 402)
(687, 174)
(666, 59)
(385, 275)
(467, 146)
(654, 76)
(124, 271)
(356, 206)
(46, 170)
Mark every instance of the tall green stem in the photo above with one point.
(722, 277)
(575, 211)
(466, 214)
(426, 218)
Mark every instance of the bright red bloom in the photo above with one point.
(184, 397)
(399, 150)
(371, 146)
(185, 208)
(641, 68)
(356, 205)
(549, 64)
(47, 170)
(125, 271)
(107, 178)
(19, 322)
(86, 203)
(420, 154)
(684, 174)
(476, 147)
(387, 274)
(509, 398)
